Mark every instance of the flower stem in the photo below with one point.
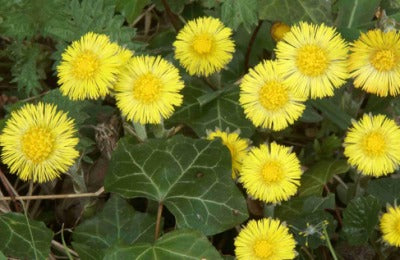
(328, 243)
(140, 131)
(158, 222)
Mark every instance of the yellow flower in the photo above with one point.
(89, 67)
(148, 90)
(265, 239)
(204, 46)
(372, 145)
(278, 30)
(39, 142)
(390, 226)
(312, 59)
(271, 173)
(374, 62)
(236, 145)
(267, 101)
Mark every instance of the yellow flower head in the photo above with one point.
(89, 67)
(374, 62)
(39, 142)
(204, 46)
(271, 173)
(236, 145)
(278, 30)
(312, 59)
(268, 101)
(372, 145)
(148, 90)
(265, 239)
(390, 226)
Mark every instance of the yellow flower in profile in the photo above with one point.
(204, 46)
(39, 142)
(267, 101)
(271, 173)
(237, 147)
(89, 67)
(148, 90)
(374, 62)
(372, 145)
(390, 226)
(264, 239)
(313, 59)
(278, 30)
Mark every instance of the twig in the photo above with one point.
(60, 247)
(56, 196)
(158, 223)
(143, 14)
(10, 190)
(250, 46)
(171, 15)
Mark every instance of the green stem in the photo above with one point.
(328, 243)
(159, 130)
(269, 210)
(140, 131)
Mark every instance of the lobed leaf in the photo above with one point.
(191, 177)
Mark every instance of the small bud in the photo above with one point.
(278, 30)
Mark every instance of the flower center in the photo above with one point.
(273, 95)
(311, 60)
(384, 60)
(263, 249)
(272, 172)
(374, 144)
(86, 65)
(147, 88)
(37, 144)
(203, 43)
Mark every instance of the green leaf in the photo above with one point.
(75, 109)
(21, 237)
(131, 9)
(175, 5)
(235, 13)
(332, 112)
(385, 189)
(118, 223)
(307, 215)
(310, 115)
(28, 69)
(221, 111)
(178, 244)
(2, 256)
(314, 179)
(360, 218)
(293, 11)
(355, 13)
(86, 252)
(191, 177)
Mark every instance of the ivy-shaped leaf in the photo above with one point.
(21, 237)
(178, 244)
(293, 11)
(191, 177)
(118, 223)
(385, 189)
(355, 13)
(221, 111)
(314, 179)
(235, 13)
(360, 218)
